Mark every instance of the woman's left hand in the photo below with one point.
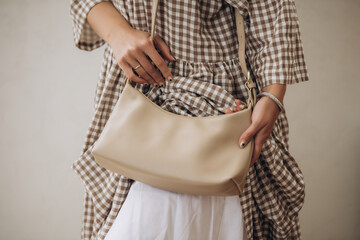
(263, 118)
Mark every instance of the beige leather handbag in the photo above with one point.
(192, 155)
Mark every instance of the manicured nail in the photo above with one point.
(173, 58)
(243, 143)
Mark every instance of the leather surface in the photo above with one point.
(192, 155)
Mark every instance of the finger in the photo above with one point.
(238, 102)
(248, 134)
(150, 69)
(258, 143)
(159, 62)
(240, 105)
(140, 71)
(131, 75)
(228, 110)
(163, 48)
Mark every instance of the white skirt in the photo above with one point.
(151, 213)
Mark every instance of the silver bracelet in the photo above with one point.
(277, 101)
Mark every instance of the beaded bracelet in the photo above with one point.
(277, 101)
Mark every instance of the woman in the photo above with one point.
(197, 74)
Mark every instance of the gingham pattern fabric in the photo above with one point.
(208, 79)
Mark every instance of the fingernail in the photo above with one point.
(243, 143)
(170, 79)
(242, 107)
(173, 58)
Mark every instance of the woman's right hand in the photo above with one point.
(136, 48)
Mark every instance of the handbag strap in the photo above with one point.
(240, 29)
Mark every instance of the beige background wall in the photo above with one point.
(46, 94)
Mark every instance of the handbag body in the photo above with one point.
(183, 154)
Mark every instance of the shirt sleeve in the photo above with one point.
(85, 37)
(273, 43)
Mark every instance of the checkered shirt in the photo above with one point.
(208, 78)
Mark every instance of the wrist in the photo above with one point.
(277, 90)
(117, 33)
(272, 98)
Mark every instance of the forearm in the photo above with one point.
(107, 21)
(278, 90)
